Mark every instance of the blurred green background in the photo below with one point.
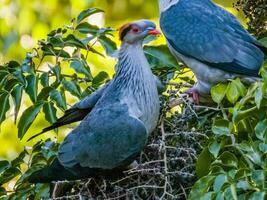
(23, 23)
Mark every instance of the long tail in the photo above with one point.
(55, 172)
(70, 116)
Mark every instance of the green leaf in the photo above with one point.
(100, 78)
(80, 66)
(42, 191)
(17, 97)
(11, 83)
(228, 159)
(8, 175)
(57, 72)
(243, 184)
(44, 94)
(240, 86)
(27, 118)
(57, 41)
(2, 192)
(19, 76)
(214, 148)
(44, 79)
(86, 28)
(249, 152)
(258, 196)
(219, 182)
(232, 92)
(259, 178)
(32, 86)
(230, 193)
(263, 41)
(73, 41)
(72, 87)
(4, 165)
(49, 51)
(108, 44)
(221, 127)
(86, 13)
(261, 130)
(201, 187)
(4, 106)
(50, 112)
(259, 95)
(58, 98)
(203, 163)
(218, 92)
(160, 57)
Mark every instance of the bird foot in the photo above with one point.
(195, 95)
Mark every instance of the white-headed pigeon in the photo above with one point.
(116, 120)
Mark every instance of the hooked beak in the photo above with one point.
(154, 32)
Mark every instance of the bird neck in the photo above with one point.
(132, 63)
(166, 4)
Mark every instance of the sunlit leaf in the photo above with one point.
(228, 159)
(258, 196)
(221, 127)
(160, 57)
(100, 78)
(261, 130)
(80, 66)
(232, 92)
(17, 97)
(86, 28)
(86, 13)
(32, 86)
(230, 193)
(73, 41)
(203, 163)
(72, 87)
(27, 118)
(215, 148)
(201, 187)
(50, 112)
(108, 44)
(219, 181)
(218, 92)
(44, 94)
(4, 164)
(4, 106)
(58, 98)
(44, 79)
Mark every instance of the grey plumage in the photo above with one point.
(122, 115)
(210, 41)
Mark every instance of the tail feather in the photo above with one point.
(71, 116)
(55, 172)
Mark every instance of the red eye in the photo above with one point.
(135, 30)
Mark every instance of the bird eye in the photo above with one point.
(135, 30)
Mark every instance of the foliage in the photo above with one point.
(237, 152)
(255, 11)
(200, 152)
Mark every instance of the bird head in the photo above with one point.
(137, 31)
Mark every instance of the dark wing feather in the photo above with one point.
(106, 139)
(77, 112)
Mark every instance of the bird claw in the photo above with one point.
(195, 95)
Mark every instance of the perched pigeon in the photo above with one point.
(117, 119)
(210, 41)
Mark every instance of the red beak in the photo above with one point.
(154, 32)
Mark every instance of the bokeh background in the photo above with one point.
(23, 23)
